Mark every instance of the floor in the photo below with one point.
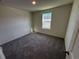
(35, 46)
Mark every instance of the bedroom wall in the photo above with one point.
(14, 23)
(60, 20)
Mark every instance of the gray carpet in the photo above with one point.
(35, 46)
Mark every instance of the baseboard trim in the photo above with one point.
(15, 39)
(49, 35)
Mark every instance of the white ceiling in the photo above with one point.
(41, 4)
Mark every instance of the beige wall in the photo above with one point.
(59, 21)
(14, 23)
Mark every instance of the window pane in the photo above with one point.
(46, 20)
(46, 16)
(46, 25)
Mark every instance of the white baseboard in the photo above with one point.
(14, 37)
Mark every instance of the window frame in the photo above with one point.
(50, 21)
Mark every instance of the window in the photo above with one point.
(46, 20)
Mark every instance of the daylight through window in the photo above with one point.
(46, 20)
